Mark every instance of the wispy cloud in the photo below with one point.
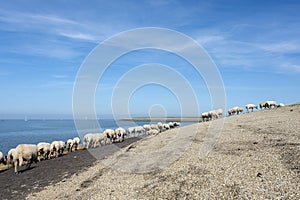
(281, 47)
(59, 76)
(25, 20)
(228, 51)
(80, 36)
(58, 84)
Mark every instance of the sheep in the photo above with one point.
(239, 110)
(280, 105)
(96, 139)
(270, 104)
(99, 138)
(93, 140)
(111, 135)
(166, 126)
(139, 129)
(57, 148)
(121, 133)
(147, 127)
(152, 132)
(2, 158)
(76, 141)
(70, 144)
(234, 110)
(130, 131)
(43, 150)
(262, 105)
(171, 125)
(25, 152)
(251, 106)
(62, 147)
(176, 124)
(216, 113)
(88, 140)
(206, 116)
(10, 155)
(154, 126)
(160, 126)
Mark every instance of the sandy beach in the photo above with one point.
(256, 156)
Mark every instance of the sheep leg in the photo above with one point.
(20, 161)
(16, 166)
(28, 164)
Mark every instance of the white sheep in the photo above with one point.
(111, 135)
(10, 155)
(93, 140)
(121, 133)
(139, 129)
(166, 126)
(57, 148)
(262, 105)
(160, 126)
(62, 147)
(251, 106)
(99, 138)
(152, 132)
(280, 105)
(25, 152)
(130, 130)
(154, 126)
(88, 140)
(70, 144)
(43, 150)
(270, 104)
(236, 110)
(2, 158)
(177, 124)
(171, 124)
(216, 113)
(147, 127)
(206, 116)
(76, 141)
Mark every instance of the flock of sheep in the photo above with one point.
(93, 140)
(206, 116)
(29, 153)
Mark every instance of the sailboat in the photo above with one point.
(25, 118)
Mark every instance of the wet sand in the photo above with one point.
(48, 172)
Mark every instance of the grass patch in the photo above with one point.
(294, 104)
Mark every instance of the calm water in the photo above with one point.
(14, 132)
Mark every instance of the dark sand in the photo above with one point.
(49, 172)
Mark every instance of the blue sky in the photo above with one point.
(255, 45)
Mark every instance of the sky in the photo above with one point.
(254, 44)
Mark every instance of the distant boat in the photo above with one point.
(25, 119)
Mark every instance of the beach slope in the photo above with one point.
(256, 156)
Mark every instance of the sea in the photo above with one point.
(15, 132)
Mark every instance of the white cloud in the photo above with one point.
(233, 53)
(81, 36)
(58, 83)
(207, 39)
(281, 47)
(59, 76)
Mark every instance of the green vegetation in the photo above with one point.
(294, 104)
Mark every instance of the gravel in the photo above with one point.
(256, 156)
